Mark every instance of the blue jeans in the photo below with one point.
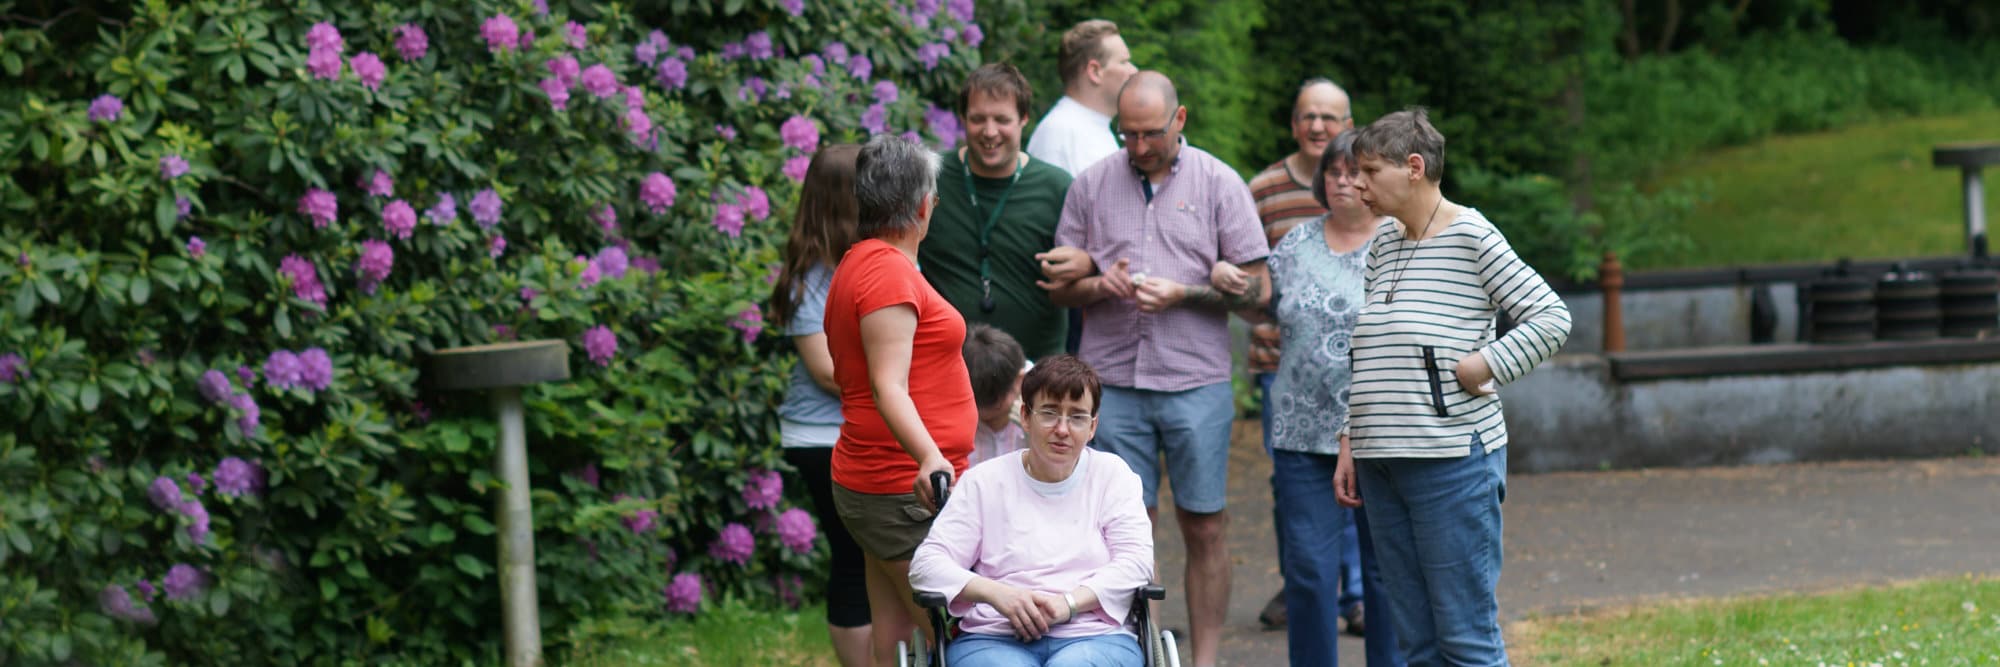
(1436, 529)
(977, 650)
(1190, 427)
(1312, 527)
(1380, 643)
(1351, 576)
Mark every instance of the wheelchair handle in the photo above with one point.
(940, 486)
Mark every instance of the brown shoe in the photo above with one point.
(1273, 617)
(1355, 624)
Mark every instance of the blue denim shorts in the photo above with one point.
(1190, 428)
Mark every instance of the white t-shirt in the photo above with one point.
(1072, 136)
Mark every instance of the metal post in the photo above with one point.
(517, 535)
(1975, 213)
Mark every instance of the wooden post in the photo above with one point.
(502, 369)
(1611, 277)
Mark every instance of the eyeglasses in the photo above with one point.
(1309, 118)
(1049, 419)
(1148, 136)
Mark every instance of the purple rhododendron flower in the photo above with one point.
(797, 167)
(756, 203)
(972, 35)
(734, 51)
(196, 483)
(503, 332)
(558, 93)
(12, 367)
(861, 67)
(591, 272)
(734, 545)
(754, 87)
(315, 369)
(657, 192)
(197, 516)
(379, 184)
(912, 137)
(501, 34)
(600, 344)
(576, 34)
(729, 219)
(794, 7)
(374, 264)
(960, 9)
(183, 207)
(800, 132)
(836, 53)
(369, 69)
(496, 247)
(324, 35)
(183, 581)
(727, 132)
(638, 124)
(588, 474)
(106, 108)
(796, 530)
(943, 125)
(320, 206)
(247, 413)
(930, 54)
(214, 386)
(635, 98)
(791, 589)
(750, 322)
(305, 279)
(164, 492)
(411, 42)
(875, 119)
(600, 81)
(324, 63)
(684, 594)
(758, 45)
(814, 63)
(196, 248)
(649, 265)
(282, 369)
(237, 477)
(673, 74)
(444, 211)
(146, 588)
(886, 92)
(606, 218)
(612, 261)
(528, 294)
(763, 489)
(172, 167)
(117, 603)
(399, 219)
(246, 375)
(485, 208)
(565, 69)
(649, 50)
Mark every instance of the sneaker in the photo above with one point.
(1274, 617)
(1355, 624)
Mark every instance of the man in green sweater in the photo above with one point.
(997, 209)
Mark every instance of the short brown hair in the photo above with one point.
(1062, 377)
(1083, 43)
(998, 80)
(994, 360)
(1399, 135)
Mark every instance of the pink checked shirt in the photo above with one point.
(1203, 213)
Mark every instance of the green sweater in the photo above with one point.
(1027, 225)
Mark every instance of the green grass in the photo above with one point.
(1939, 622)
(1866, 191)
(725, 634)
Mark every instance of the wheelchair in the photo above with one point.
(1156, 646)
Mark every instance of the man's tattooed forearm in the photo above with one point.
(1204, 295)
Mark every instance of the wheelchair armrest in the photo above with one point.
(930, 600)
(1153, 592)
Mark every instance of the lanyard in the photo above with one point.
(986, 304)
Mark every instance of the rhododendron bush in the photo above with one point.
(234, 230)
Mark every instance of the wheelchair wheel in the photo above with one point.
(1169, 651)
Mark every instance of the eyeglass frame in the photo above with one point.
(1330, 119)
(1045, 418)
(1148, 136)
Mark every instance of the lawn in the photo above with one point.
(725, 634)
(1864, 192)
(1952, 621)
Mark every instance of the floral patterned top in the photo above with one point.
(1317, 297)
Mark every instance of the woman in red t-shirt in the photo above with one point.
(884, 321)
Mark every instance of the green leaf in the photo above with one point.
(478, 524)
(89, 397)
(48, 289)
(24, 302)
(468, 565)
(441, 533)
(218, 602)
(282, 321)
(328, 590)
(59, 647)
(142, 289)
(19, 538)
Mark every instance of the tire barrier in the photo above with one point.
(1969, 303)
(1906, 307)
(1841, 309)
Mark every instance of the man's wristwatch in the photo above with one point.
(1071, 599)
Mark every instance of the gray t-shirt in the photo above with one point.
(805, 402)
(1318, 297)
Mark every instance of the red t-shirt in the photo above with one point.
(867, 459)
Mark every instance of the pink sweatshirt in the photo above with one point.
(998, 523)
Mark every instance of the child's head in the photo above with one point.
(994, 361)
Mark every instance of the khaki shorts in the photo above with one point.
(888, 527)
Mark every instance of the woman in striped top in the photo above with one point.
(1426, 435)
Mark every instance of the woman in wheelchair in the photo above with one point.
(1040, 552)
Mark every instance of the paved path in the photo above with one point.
(1579, 541)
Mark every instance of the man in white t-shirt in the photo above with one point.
(1076, 133)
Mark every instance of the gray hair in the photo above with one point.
(892, 176)
(1399, 135)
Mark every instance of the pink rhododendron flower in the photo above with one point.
(836, 53)
(323, 63)
(12, 367)
(172, 167)
(196, 248)
(369, 69)
(930, 54)
(606, 218)
(860, 67)
(557, 92)
(635, 98)
(972, 35)
(197, 516)
(591, 273)
(237, 477)
(683, 595)
(485, 208)
(501, 34)
(796, 530)
(599, 80)
(729, 219)
(612, 261)
(315, 369)
(373, 266)
(799, 132)
(565, 69)
(105, 108)
(657, 192)
(638, 123)
(734, 545)
(576, 34)
(600, 344)
(758, 46)
(320, 206)
(379, 184)
(247, 414)
(282, 370)
(496, 247)
(960, 9)
(640, 521)
(399, 219)
(794, 7)
(411, 42)
(444, 211)
(117, 603)
(305, 279)
(886, 92)
(183, 581)
(750, 322)
(797, 167)
(756, 203)
(875, 119)
(763, 489)
(164, 492)
(183, 207)
(324, 35)
(673, 74)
